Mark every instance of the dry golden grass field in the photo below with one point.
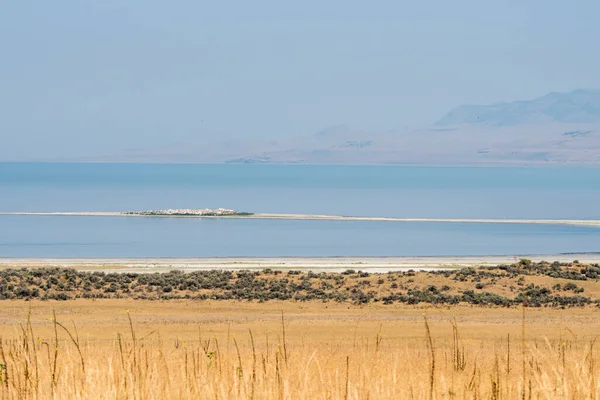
(228, 349)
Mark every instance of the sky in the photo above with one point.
(81, 76)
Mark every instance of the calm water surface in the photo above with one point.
(548, 193)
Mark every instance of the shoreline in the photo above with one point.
(316, 264)
(319, 217)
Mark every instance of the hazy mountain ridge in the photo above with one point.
(558, 128)
(534, 144)
(552, 129)
(578, 106)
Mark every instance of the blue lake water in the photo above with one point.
(476, 192)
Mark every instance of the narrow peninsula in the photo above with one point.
(227, 213)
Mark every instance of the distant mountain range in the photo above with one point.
(579, 106)
(556, 128)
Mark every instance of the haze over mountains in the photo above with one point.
(579, 106)
(555, 128)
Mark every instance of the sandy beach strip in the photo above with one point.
(318, 217)
(316, 264)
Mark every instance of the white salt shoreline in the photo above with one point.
(572, 222)
(316, 264)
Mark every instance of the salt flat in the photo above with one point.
(317, 264)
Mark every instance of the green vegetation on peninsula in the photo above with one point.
(206, 212)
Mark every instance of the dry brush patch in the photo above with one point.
(229, 349)
(535, 284)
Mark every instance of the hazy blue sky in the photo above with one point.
(76, 73)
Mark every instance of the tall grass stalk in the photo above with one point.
(253, 364)
(285, 353)
(524, 362)
(431, 349)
